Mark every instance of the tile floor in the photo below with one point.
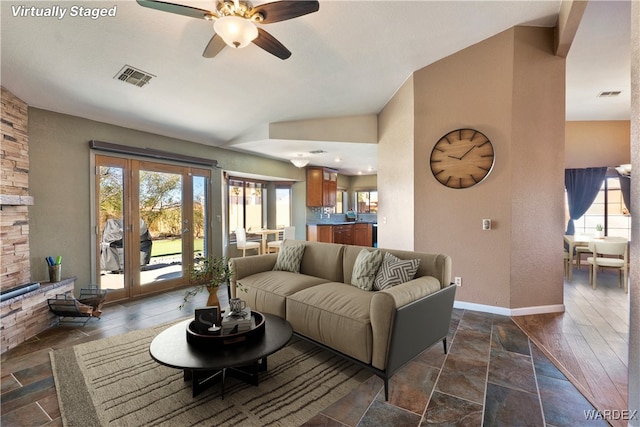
(492, 376)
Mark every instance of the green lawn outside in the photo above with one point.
(172, 247)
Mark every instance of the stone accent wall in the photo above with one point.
(27, 315)
(15, 267)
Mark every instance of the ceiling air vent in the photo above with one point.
(609, 94)
(132, 75)
(317, 151)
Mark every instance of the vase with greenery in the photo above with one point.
(208, 274)
(599, 231)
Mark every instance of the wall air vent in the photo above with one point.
(609, 94)
(132, 75)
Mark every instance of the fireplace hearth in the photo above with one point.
(26, 315)
(18, 290)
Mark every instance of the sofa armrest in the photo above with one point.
(386, 303)
(419, 325)
(247, 266)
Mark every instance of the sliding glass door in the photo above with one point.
(153, 220)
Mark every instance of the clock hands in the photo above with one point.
(467, 152)
(461, 157)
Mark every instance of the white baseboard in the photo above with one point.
(523, 311)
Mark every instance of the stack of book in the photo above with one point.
(243, 321)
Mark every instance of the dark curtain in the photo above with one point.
(582, 188)
(625, 186)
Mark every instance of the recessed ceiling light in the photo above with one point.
(338, 159)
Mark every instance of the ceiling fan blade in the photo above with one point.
(282, 10)
(269, 43)
(179, 9)
(215, 45)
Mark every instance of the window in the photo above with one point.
(608, 210)
(341, 197)
(283, 205)
(367, 201)
(245, 205)
(151, 222)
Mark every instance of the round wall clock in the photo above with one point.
(462, 158)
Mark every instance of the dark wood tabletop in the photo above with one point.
(170, 347)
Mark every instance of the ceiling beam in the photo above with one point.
(569, 18)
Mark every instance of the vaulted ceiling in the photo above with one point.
(347, 59)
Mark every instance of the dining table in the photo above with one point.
(581, 240)
(265, 232)
(572, 241)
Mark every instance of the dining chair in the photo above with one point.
(611, 253)
(242, 244)
(288, 233)
(566, 263)
(582, 250)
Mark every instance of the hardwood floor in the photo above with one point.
(589, 342)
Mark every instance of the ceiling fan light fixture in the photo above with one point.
(236, 32)
(300, 162)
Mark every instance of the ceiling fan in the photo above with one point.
(234, 22)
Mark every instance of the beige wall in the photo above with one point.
(362, 182)
(511, 88)
(396, 198)
(537, 170)
(597, 143)
(61, 220)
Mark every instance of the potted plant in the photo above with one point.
(209, 273)
(599, 231)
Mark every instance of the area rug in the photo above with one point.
(114, 382)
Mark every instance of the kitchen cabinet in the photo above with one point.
(324, 233)
(362, 234)
(322, 186)
(359, 234)
(320, 233)
(343, 234)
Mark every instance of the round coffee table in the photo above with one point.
(204, 367)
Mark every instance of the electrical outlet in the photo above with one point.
(458, 281)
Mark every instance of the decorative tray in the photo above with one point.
(226, 339)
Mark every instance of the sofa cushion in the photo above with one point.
(335, 314)
(394, 271)
(289, 258)
(267, 291)
(365, 269)
(320, 259)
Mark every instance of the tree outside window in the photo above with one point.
(245, 205)
(367, 201)
(341, 197)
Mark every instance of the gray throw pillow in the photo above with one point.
(289, 258)
(365, 269)
(394, 271)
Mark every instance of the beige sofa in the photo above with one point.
(381, 330)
